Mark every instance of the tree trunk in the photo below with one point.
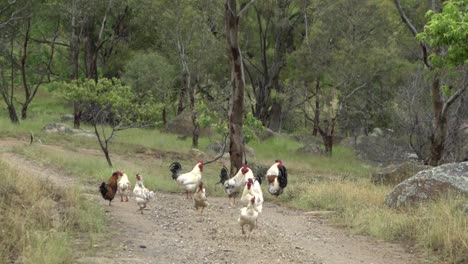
(275, 117)
(24, 111)
(106, 153)
(182, 94)
(164, 116)
(24, 56)
(12, 114)
(196, 130)
(90, 50)
(327, 135)
(439, 124)
(236, 111)
(77, 115)
(75, 63)
(317, 108)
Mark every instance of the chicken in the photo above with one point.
(248, 216)
(234, 185)
(109, 189)
(200, 198)
(124, 187)
(277, 178)
(252, 189)
(190, 180)
(142, 194)
(223, 176)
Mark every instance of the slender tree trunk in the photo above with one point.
(317, 107)
(103, 143)
(327, 136)
(182, 94)
(236, 111)
(439, 124)
(27, 91)
(12, 114)
(108, 159)
(164, 116)
(77, 114)
(75, 62)
(196, 130)
(90, 50)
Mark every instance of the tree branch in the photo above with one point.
(414, 32)
(452, 99)
(245, 8)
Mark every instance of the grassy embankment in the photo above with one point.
(42, 224)
(340, 183)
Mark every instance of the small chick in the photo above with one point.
(200, 198)
(248, 216)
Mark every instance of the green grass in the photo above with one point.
(39, 222)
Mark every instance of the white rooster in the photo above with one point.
(234, 185)
(277, 178)
(248, 216)
(142, 194)
(124, 186)
(190, 180)
(199, 198)
(252, 189)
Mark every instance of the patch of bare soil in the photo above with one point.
(172, 232)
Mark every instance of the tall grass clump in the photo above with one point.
(38, 221)
(440, 228)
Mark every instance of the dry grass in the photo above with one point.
(440, 227)
(39, 221)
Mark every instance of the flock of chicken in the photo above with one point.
(243, 182)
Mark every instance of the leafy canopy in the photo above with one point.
(109, 97)
(448, 29)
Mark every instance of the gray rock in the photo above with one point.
(60, 128)
(67, 117)
(394, 174)
(266, 134)
(376, 132)
(429, 184)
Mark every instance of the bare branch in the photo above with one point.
(452, 99)
(44, 41)
(245, 8)
(104, 21)
(222, 151)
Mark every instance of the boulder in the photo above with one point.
(394, 174)
(266, 133)
(60, 128)
(182, 125)
(311, 149)
(67, 117)
(429, 184)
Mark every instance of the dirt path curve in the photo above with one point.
(172, 232)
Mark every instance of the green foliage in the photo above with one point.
(448, 30)
(252, 126)
(150, 74)
(109, 97)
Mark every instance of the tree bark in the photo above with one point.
(75, 61)
(12, 114)
(236, 111)
(439, 124)
(182, 94)
(317, 107)
(90, 50)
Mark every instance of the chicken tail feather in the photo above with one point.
(175, 168)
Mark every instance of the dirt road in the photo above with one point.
(172, 232)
